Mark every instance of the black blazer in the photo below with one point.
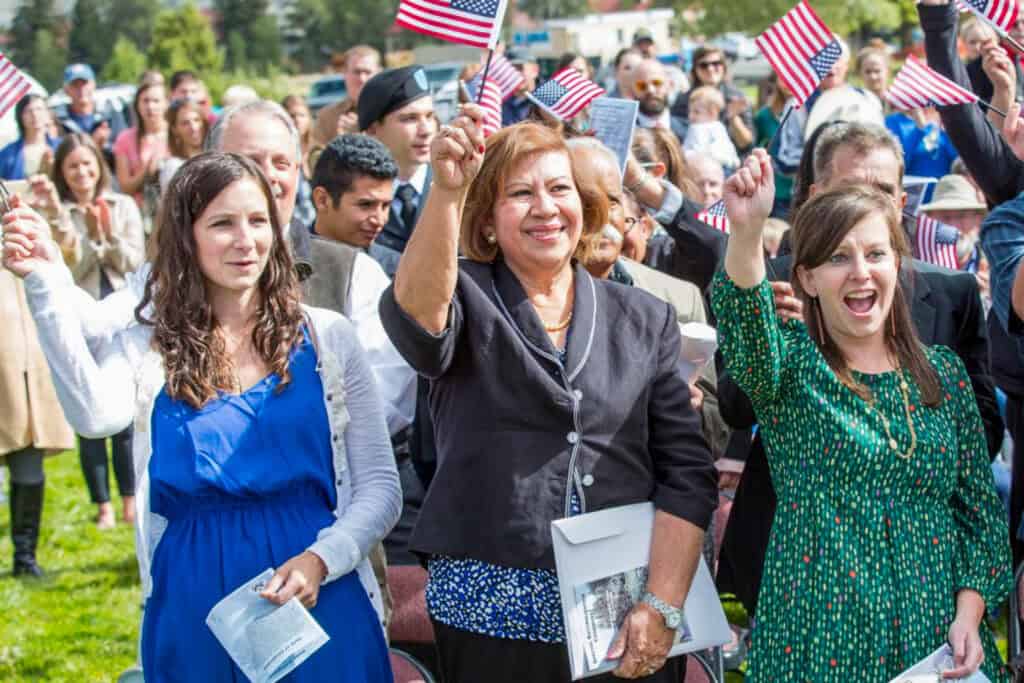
(946, 309)
(517, 430)
(694, 251)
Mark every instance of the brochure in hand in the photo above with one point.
(265, 640)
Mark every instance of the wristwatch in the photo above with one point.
(673, 615)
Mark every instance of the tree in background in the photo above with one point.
(183, 39)
(251, 33)
(554, 9)
(89, 40)
(308, 31)
(125, 64)
(133, 19)
(48, 60)
(32, 16)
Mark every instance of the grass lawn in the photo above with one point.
(81, 623)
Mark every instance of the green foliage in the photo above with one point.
(554, 9)
(132, 19)
(317, 28)
(842, 16)
(32, 16)
(264, 49)
(308, 29)
(82, 623)
(89, 41)
(183, 39)
(48, 60)
(125, 64)
(236, 50)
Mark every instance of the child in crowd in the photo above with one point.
(706, 133)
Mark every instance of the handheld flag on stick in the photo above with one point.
(566, 93)
(1000, 14)
(13, 84)
(503, 74)
(917, 85)
(489, 98)
(476, 23)
(936, 242)
(801, 49)
(715, 216)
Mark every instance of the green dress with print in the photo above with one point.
(868, 548)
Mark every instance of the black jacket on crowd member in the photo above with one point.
(694, 251)
(1000, 175)
(517, 430)
(993, 165)
(946, 309)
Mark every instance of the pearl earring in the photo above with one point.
(491, 238)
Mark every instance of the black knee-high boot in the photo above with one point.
(26, 516)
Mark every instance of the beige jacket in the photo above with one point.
(30, 414)
(116, 256)
(325, 128)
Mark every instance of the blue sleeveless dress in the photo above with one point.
(245, 484)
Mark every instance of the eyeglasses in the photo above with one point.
(630, 224)
(714, 64)
(644, 86)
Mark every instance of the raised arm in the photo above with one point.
(748, 196)
(991, 162)
(427, 274)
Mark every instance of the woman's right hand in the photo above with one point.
(44, 194)
(749, 195)
(26, 240)
(457, 151)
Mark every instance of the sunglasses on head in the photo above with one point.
(644, 86)
(714, 63)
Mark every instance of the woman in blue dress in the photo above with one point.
(262, 439)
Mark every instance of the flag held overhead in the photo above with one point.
(801, 49)
(999, 13)
(476, 23)
(566, 93)
(13, 84)
(917, 85)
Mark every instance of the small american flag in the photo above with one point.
(801, 49)
(506, 76)
(476, 23)
(936, 242)
(566, 93)
(917, 85)
(1000, 13)
(490, 101)
(13, 84)
(715, 216)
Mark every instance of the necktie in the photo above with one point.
(407, 198)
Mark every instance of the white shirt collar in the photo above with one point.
(418, 179)
(662, 121)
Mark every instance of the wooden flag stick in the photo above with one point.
(487, 70)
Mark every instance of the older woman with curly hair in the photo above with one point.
(265, 443)
(552, 394)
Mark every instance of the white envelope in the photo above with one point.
(600, 544)
(931, 667)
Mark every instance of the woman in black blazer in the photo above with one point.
(551, 394)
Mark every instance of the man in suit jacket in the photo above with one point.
(945, 306)
(396, 108)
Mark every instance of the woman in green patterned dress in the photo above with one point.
(889, 539)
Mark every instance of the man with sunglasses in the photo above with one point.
(651, 88)
(710, 68)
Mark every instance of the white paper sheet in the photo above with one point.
(613, 121)
(929, 669)
(265, 640)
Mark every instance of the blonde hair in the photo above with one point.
(707, 95)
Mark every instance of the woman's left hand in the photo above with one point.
(643, 643)
(967, 652)
(299, 577)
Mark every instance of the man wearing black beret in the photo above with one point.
(395, 107)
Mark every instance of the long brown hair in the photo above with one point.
(175, 145)
(505, 149)
(185, 328)
(144, 86)
(821, 225)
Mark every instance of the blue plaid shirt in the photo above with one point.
(1002, 238)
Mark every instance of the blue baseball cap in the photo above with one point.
(78, 72)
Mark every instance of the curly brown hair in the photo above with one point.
(186, 331)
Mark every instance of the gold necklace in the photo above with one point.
(893, 445)
(558, 327)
